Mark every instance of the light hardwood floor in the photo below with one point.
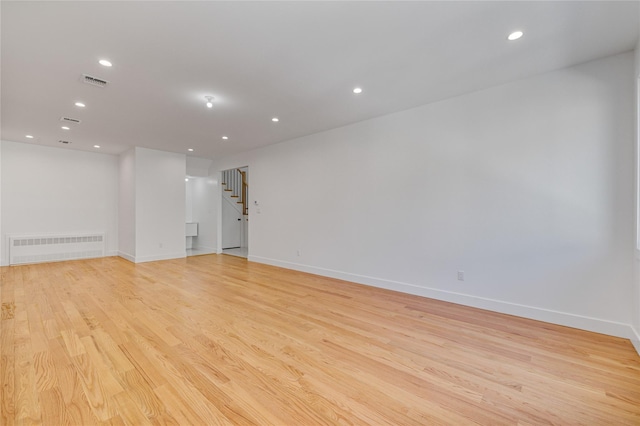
(215, 339)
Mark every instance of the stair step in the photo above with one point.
(234, 196)
(228, 190)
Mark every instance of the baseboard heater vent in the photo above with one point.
(50, 248)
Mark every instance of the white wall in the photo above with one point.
(188, 213)
(527, 187)
(152, 205)
(127, 205)
(197, 166)
(56, 190)
(160, 205)
(204, 211)
(636, 294)
(2, 248)
(2, 238)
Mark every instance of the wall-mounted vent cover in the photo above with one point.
(69, 120)
(64, 142)
(49, 248)
(95, 81)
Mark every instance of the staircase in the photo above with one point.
(234, 182)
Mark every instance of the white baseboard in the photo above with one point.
(142, 259)
(127, 256)
(596, 325)
(206, 249)
(107, 254)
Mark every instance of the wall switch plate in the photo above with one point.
(460, 275)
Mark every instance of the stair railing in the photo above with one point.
(244, 192)
(235, 181)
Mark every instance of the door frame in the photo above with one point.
(219, 212)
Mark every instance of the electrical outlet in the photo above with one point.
(460, 275)
(160, 245)
(298, 252)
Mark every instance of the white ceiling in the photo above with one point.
(298, 61)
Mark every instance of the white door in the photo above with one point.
(231, 225)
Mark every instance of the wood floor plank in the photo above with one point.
(7, 373)
(218, 340)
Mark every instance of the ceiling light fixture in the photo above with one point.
(80, 104)
(28, 136)
(357, 90)
(209, 101)
(105, 63)
(225, 138)
(190, 149)
(186, 179)
(65, 128)
(275, 119)
(96, 146)
(515, 35)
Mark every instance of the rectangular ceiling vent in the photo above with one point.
(64, 142)
(69, 120)
(95, 81)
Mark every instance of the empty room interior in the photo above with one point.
(319, 213)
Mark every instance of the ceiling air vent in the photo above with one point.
(95, 81)
(64, 142)
(69, 120)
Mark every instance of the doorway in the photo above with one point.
(201, 224)
(234, 200)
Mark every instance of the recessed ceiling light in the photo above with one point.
(225, 137)
(357, 90)
(209, 101)
(28, 136)
(515, 35)
(190, 149)
(275, 119)
(104, 62)
(96, 146)
(65, 128)
(80, 104)
(186, 179)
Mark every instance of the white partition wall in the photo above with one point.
(127, 205)
(152, 204)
